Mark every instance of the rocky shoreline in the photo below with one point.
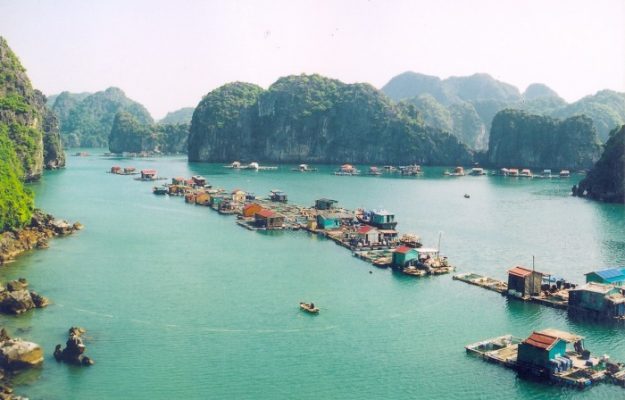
(16, 298)
(42, 227)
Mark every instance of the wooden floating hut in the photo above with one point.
(597, 301)
(268, 219)
(278, 196)
(550, 354)
(149, 174)
(325, 204)
(609, 276)
(523, 282)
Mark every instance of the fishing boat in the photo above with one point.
(458, 171)
(565, 173)
(374, 171)
(234, 165)
(389, 168)
(303, 168)
(526, 173)
(160, 190)
(309, 307)
(477, 171)
(347, 170)
(546, 174)
(410, 170)
(414, 271)
(513, 172)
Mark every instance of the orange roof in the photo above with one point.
(248, 206)
(266, 213)
(365, 229)
(520, 272)
(403, 249)
(541, 340)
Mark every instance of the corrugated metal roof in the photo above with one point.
(595, 287)
(403, 249)
(541, 340)
(365, 229)
(610, 274)
(266, 213)
(566, 336)
(520, 271)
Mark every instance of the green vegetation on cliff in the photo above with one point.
(489, 96)
(16, 203)
(26, 120)
(181, 116)
(310, 118)
(606, 179)
(87, 120)
(519, 139)
(131, 136)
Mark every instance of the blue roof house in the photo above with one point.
(611, 276)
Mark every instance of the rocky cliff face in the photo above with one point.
(30, 126)
(519, 139)
(309, 118)
(131, 136)
(86, 119)
(488, 96)
(606, 180)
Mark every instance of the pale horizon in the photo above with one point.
(167, 55)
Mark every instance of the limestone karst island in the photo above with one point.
(312, 200)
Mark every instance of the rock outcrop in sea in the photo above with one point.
(313, 119)
(519, 139)
(129, 135)
(16, 355)
(73, 353)
(16, 299)
(606, 180)
(42, 226)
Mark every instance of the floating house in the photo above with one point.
(325, 204)
(611, 276)
(148, 174)
(129, 170)
(199, 180)
(537, 352)
(523, 282)
(367, 235)
(250, 196)
(238, 196)
(216, 200)
(278, 195)
(177, 181)
(251, 209)
(597, 300)
(268, 219)
(383, 219)
(526, 173)
(116, 169)
(202, 198)
(333, 220)
(477, 171)
(403, 255)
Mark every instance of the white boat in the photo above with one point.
(565, 173)
(477, 171)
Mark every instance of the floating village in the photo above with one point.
(371, 235)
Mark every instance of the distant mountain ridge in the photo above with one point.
(86, 119)
(311, 118)
(180, 116)
(481, 96)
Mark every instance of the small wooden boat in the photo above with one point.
(414, 271)
(309, 307)
(160, 190)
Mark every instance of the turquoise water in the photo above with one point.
(180, 302)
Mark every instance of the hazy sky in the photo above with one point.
(168, 54)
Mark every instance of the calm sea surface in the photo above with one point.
(180, 302)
